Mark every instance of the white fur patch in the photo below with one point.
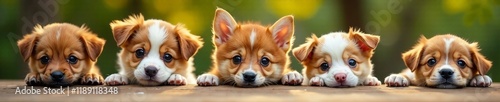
(252, 38)
(58, 34)
(447, 48)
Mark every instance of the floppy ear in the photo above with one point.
(223, 26)
(365, 42)
(282, 31)
(122, 30)
(412, 57)
(27, 45)
(92, 44)
(189, 44)
(481, 64)
(305, 51)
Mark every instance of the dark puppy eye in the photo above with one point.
(431, 62)
(237, 59)
(461, 63)
(167, 57)
(44, 59)
(72, 59)
(264, 61)
(352, 63)
(139, 53)
(324, 66)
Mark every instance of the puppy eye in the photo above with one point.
(264, 61)
(167, 58)
(461, 63)
(139, 53)
(72, 59)
(352, 63)
(44, 60)
(324, 66)
(431, 62)
(237, 59)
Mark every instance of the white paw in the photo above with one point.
(316, 81)
(116, 79)
(396, 80)
(371, 81)
(481, 81)
(207, 80)
(176, 79)
(292, 78)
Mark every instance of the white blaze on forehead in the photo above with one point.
(157, 34)
(252, 38)
(447, 47)
(58, 34)
(335, 44)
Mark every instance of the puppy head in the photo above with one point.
(251, 55)
(339, 59)
(153, 49)
(60, 52)
(445, 61)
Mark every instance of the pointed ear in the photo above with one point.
(366, 42)
(122, 30)
(412, 57)
(481, 64)
(92, 44)
(282, 31)
(223, 26)
(305, 51)
(189, 44)
(28, 43)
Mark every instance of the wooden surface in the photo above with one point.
(275, 93)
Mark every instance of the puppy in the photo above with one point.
(61, 54)
(338, 59)
(249, 54)
(153, 52)
(443, 61)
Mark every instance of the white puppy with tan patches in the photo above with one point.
(338, 59)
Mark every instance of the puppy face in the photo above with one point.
(153, 49)
(60, 53)
(445, 61)
(251, 55)
(339, 59)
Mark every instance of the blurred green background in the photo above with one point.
(398, 22)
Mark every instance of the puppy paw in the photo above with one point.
(371, 81)
(396, 80)
(207, 80)
(92, 79)
(33, 79)
(176, 79)
(316, 81)
(481, 81)
(292, 78)
(116, 79)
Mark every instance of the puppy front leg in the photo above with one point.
(176, 79)
(480, 81)
(396, 80)
(33, 79)
(93, 77)
(116, 79)
(208, 79)
(316, 81)
(292, 78)
(371, 81)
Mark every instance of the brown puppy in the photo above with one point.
(443, 61)
(61, 54)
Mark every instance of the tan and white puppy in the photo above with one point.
(338, 59)
(249, 54)
(443, 61)
(61, 54)
(154, 52)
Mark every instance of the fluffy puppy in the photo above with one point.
(338, 59)
(443, 61)
(153, 52)
(61, 54)
(249, 54)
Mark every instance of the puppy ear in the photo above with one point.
(189, 44)
(282, 31)
(481, 64)
(305, 51)
(223, 26)
(365, 42)
(92, 44)
(28, 43)
(122, 30)
(412, 57)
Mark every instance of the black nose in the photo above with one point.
(57, 76)
(151, 71)
(446, 73)
(249, 76)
